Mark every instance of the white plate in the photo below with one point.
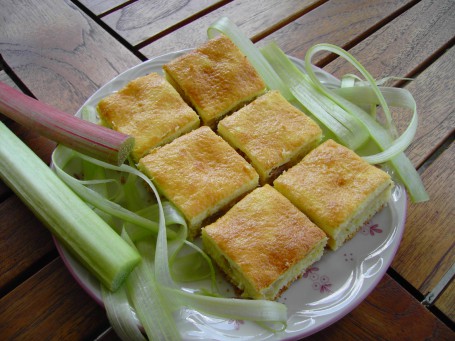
(330, 289)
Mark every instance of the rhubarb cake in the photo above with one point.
(149, 109)
(336, 189)
(215, 79)
(271, 133)
(263, 243)
(201, 174)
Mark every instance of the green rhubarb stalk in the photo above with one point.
(103, 252)
(347, 129)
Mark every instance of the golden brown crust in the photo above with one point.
(199, 171)
(265, 235)
(216, 78)
(271, 132)
(149, 109)
(330, 184)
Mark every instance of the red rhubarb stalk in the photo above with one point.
(86, 137)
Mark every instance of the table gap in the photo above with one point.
(419, 297)
(426, 63)
(286, 21)
(405, 284)
(436, 153)
(6, 193)
(119, 7)
(29, 272)
(109, 30)
(441, 316)
(181, 23)
(331, 57)
(103, 333)
(11, 74)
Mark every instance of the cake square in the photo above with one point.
(271, 133)
(336, 189)
(215, 79)
(149, 109)
(200, 173)
(263, 243)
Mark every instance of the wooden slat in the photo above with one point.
(23, 241)
(50, 306)
(142, 20)
(6, 79)
(337, 22)
(389, 311)
(446, 302)
(400, 48)
(427, 250)
(240, 12)
(61, 55)
(102, 6)
(431, 89)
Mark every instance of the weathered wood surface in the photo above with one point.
(24, 242)
(50, 305)
(62, 55)
(391, 312)
(144, 20)
(99, 7)
(446, 301)
(269, 16)
(427, 251)
(342, 23)
(405, 45)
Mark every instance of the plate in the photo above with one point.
(326, 292)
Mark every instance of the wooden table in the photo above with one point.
(62, 51)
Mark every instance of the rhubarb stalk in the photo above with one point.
(88, 138)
